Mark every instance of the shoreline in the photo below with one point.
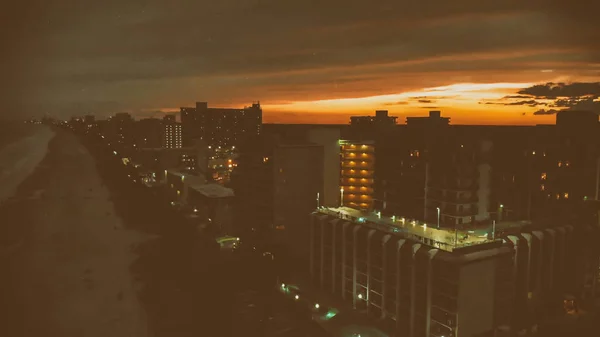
(44, 278)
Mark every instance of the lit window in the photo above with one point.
(567, 164)
(542, 187)
(265, 159)
(557, 196)
(559, 163)
(543, 176)
(566, 195)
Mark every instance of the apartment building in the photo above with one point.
(172, 133)
(357, 161)
(220, 126)
(416, 280)
(421, 281)
(458, 182)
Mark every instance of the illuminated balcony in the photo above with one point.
(358, 204)
(368, 149)
(357, 164)
(350, 188)
(357, 173)
(356, 181)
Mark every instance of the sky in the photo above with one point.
(306, 61)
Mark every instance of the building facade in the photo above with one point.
(220, 126)
(357, 162)
(418, 282)
(172, 133)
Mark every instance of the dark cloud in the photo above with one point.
(516, 97)
(546, 112)
(426, 101)
(397, 103)
(556, 90)
(531, 103)
(125, 51)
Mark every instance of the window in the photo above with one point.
(265, 159)
(542, 187)
(543, 176)
(567, 164)
(560, 164)
(557, 196)
(566, 195)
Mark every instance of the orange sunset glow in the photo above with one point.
(309, 62)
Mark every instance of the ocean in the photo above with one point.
(22, 148)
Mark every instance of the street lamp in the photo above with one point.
(438, 211)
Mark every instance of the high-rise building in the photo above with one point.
(458, 182)
(357, 161)
(149, 133)
(564, 164)
(220, 126)
(172, 134)
(192, 125)
(371, 127)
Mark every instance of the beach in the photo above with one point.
(66, 269)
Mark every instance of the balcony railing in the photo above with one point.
(439, 198)
(358, 156)
(455, 212)
(454, 171)
(357, 173)
(357, 164)
(350, 188)
(358, 148)
(453, 185)
(357, 182)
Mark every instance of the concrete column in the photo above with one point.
(343, 280)
(334, 262)
(430, 254)
(384, 271)
(368, 294)
(413, 295)
(322, 259)
(354, 235)
(399, 284)
(312, 220)
(551, 251)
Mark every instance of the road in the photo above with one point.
(70, 274)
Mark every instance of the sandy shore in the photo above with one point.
(69, 276)
(20, 158)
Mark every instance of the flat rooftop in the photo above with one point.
(213, 190)
(443, 238)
